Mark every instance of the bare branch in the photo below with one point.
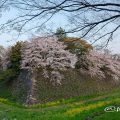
(89, 16)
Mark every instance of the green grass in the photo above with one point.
(109, 116)
(79, 108)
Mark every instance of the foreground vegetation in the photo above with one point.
(55, 72)
(80, 108)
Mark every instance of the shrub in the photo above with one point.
(7, 75)
(11, 63)
(15, 56)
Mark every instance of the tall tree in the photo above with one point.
(61, 34)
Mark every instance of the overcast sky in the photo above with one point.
(7, 39)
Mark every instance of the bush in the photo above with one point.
(15, 56)
(12, 62)
(7, 75)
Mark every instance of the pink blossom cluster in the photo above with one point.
(44, 52)
(102, 65)
(6, 59)
(55, 77)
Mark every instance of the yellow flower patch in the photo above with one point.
(74, 111)
(2, 100)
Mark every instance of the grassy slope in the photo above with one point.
(80, 108)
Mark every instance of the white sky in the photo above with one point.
(59, 21)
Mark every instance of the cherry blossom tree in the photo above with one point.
(2, 51)
(47, 52)
(101, 65)
(5, 59)
(51, 55)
